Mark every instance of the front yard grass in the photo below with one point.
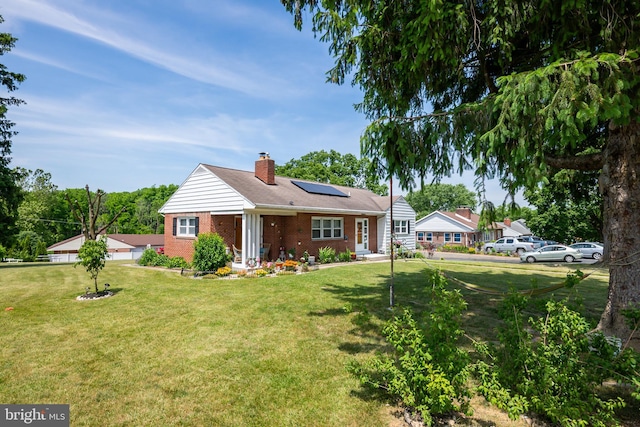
(171, 350)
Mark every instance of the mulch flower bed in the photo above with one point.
(94, 295)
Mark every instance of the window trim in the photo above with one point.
(332, 228)
(401, 226)
(177, 226)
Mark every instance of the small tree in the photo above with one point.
(92, 256)
(210, 252)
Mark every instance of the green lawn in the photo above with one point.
(172, 350)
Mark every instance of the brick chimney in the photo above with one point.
(464, 212)
(266, 169)
(507, 222)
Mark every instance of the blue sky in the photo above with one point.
(126, 94)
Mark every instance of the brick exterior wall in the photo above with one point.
(295, 232)
(183, 246)
(286, 231)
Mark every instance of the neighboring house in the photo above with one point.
(514, 228)
(120, 246)
(461, 228)
(449, 228)
(268, 216)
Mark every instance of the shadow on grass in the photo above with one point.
(369, 304)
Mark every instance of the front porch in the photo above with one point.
(268, 236)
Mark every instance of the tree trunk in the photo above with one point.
(620, 188)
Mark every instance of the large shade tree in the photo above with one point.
(510, 89)
(443, 197)
(334, 168)
(10, 193)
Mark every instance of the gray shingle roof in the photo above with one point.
(286, 195)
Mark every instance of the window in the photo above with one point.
(429, 237)
(447, 237)
(326, 228)
(401, 226)
(186, 226)
(420, 236)
(457, 237)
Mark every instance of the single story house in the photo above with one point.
(514, 228)
(120, 246)
(461, 228)
(452, 228)
(261, 215)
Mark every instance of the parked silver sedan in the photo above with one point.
(589, 249)
(552, 253)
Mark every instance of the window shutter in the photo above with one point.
(197, 225)
(408, 226)
(175, 226)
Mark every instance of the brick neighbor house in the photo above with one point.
(266, 216)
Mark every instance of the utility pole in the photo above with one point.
(391, 238)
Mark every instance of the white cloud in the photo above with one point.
(152, 45)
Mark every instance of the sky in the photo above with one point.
(127, 94)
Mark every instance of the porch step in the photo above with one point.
(375, 257)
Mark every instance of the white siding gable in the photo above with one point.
(439, 222)
(203, 191)
(401, 211)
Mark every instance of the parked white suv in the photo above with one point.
(509, 244)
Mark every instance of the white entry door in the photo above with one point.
(362, 235)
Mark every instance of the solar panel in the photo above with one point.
(312, 187)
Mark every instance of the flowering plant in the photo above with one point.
(223, 271)
(290, 265)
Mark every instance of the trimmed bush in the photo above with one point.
(210, 252)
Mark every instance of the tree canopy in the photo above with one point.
(568, 209)
(513, 90)
(9, 191)
(333, 168)
(444, 197)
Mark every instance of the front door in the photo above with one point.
(362, 235)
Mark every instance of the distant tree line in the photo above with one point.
(44, 215)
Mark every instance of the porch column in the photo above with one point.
(250, 237)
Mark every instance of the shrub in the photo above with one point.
(260, 272)
(428, 371)
(326, 255)
(210, 252)
(161, 261)
(345, 256)
(3, 252)
(177, 262)
(148, 257)
(551, 366)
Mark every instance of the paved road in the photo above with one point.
(454, 256)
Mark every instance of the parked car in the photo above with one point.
(552, 253)
(508, 244)
(537, 242)
(589, 249)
